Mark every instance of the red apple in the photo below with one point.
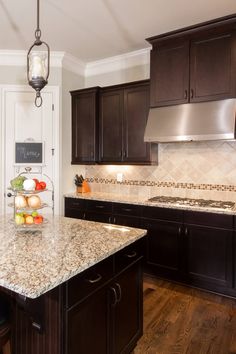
(38, 219)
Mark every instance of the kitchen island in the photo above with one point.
(74, 286)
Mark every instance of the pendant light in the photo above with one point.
(38, 61)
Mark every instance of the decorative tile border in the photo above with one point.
(209, 187)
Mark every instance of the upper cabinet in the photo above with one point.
(122, 121)
(108, 125)
(194, 64)
(212, 67)
(84, 126)
(170, 73)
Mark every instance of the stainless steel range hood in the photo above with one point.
(214, 120)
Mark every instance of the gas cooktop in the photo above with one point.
(226, 205)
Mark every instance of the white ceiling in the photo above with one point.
(96, 29)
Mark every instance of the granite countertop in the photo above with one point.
(141, 200)
(33, 262)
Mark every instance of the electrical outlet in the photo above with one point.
(119, 177)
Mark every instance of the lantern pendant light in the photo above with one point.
(38, 61)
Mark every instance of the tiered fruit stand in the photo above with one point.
(29, 217)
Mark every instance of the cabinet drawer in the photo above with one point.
(82, 285)
(130, 254)
(127, 209)
(208, 219)
(100, 207)
(74, 213)
(130, 221)
(163, 213)
(74, 203)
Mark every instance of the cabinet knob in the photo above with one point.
(185, 94)
(186, 231)
(192, 93)
(180, 230)
(124, 154)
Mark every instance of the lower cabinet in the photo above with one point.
(164, 256)
(209, 256)
(108, 317)
(88, 325)
(196, 248)
(127, 313)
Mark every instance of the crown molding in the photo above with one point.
(57, 60)
(118, 62)
(67, 61)
(71, 63)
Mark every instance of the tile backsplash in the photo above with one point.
(193, 169)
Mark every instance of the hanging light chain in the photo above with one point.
(38, 30)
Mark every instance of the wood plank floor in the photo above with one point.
(179, 320)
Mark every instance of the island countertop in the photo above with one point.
(34, 262)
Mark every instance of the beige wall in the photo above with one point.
(135, 73)
(70, 81)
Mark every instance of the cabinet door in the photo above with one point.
(212, 73)
(128, 312)
(136, 108)
(84, 127)
(209, 256)
(164, 248)
(110, 126)
(87, 325)
(170, 74)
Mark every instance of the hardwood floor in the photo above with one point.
(182, 320)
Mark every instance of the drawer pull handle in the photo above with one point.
(185, 94)
(127, 209)
(92, 281)
(99, 206)
(132, 254)
(119, 292)
(113, 290)
(192, 93)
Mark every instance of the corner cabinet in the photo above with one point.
(194, 64)
(84, 125)
(122, 121)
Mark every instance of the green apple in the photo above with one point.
(34, 213)
(19, 219)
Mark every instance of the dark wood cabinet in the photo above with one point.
(136, 108)
(97, 311)
(194, 64)
(110, 317)
(87, 325)
(197, 248)
(170, 73)
(122, 121)
(164, 248)
(128, 312)
(212, 67)
(209, 256)
(110, 125)
(84, 126)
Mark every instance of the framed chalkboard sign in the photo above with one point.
(28, 153)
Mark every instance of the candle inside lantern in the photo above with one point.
(37, 65)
